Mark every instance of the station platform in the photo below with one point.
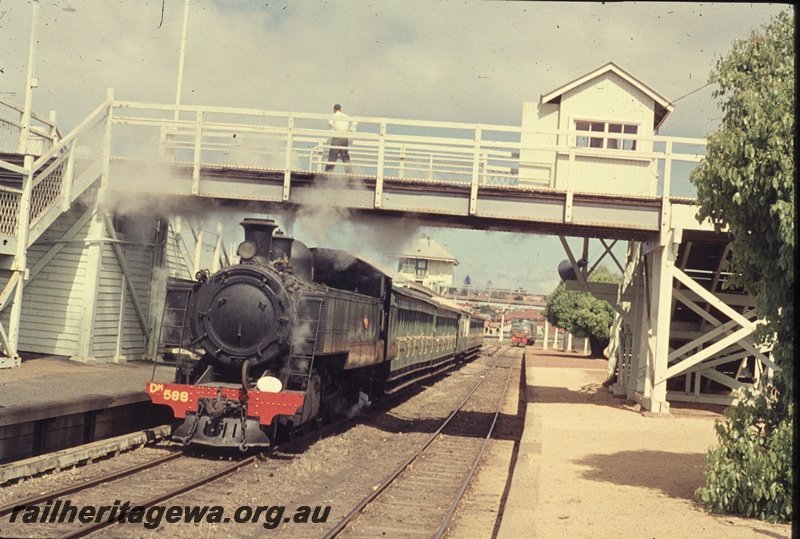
(50, 403)
(592, 465)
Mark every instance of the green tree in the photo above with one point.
(746, 181)
(745, 184)
(582, 314)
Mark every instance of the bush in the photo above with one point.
(581, 314)
(750, 473)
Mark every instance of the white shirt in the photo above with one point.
(342, 126)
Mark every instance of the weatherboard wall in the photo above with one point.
(52, 304)
(119, 331)
(53, 315)
(608, 98)
(537, 167)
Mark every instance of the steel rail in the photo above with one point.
(477, 461)
(389, 480)
(281, 448)
(112, 476)
(93, 527)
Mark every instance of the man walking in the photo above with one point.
(339, 143)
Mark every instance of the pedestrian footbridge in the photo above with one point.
(55, 193)
(472, 175)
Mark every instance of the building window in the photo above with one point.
(406, 265)
(602, 135)
(422, 268)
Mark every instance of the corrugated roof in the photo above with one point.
(427, 248)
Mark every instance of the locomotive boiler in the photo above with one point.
(291, 335)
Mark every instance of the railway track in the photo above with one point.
(169, 476)
(142, 485)
(420, 497)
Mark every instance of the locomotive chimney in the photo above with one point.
(259, 232)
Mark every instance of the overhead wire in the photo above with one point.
(693, 91)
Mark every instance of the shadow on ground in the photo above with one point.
(660, 470)
(588, 394)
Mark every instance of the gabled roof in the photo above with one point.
(529, 314)
(662, 105)
(426, 248)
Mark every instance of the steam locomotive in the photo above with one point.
(293, 335)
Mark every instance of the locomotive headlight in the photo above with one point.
(246, 250)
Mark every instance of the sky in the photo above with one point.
(470, 61)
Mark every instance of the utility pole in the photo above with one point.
(182, 57)
(31, 83)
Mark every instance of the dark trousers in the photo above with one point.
(339, 151)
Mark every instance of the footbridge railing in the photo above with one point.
(37, 187)
(41, 175)
(260, 153)
(444, 154)
(42, 136)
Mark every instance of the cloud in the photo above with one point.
(473, 62)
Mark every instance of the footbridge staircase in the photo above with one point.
(41, 176)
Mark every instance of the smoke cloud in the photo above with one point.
(140, 188)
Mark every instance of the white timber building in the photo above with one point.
(425, 262)
(603, 116)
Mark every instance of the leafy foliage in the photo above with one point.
(746, 181)
(486, 309)
(750, 472)
(582, 314)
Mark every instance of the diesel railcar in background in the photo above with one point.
(291, 335)
(523, 332)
